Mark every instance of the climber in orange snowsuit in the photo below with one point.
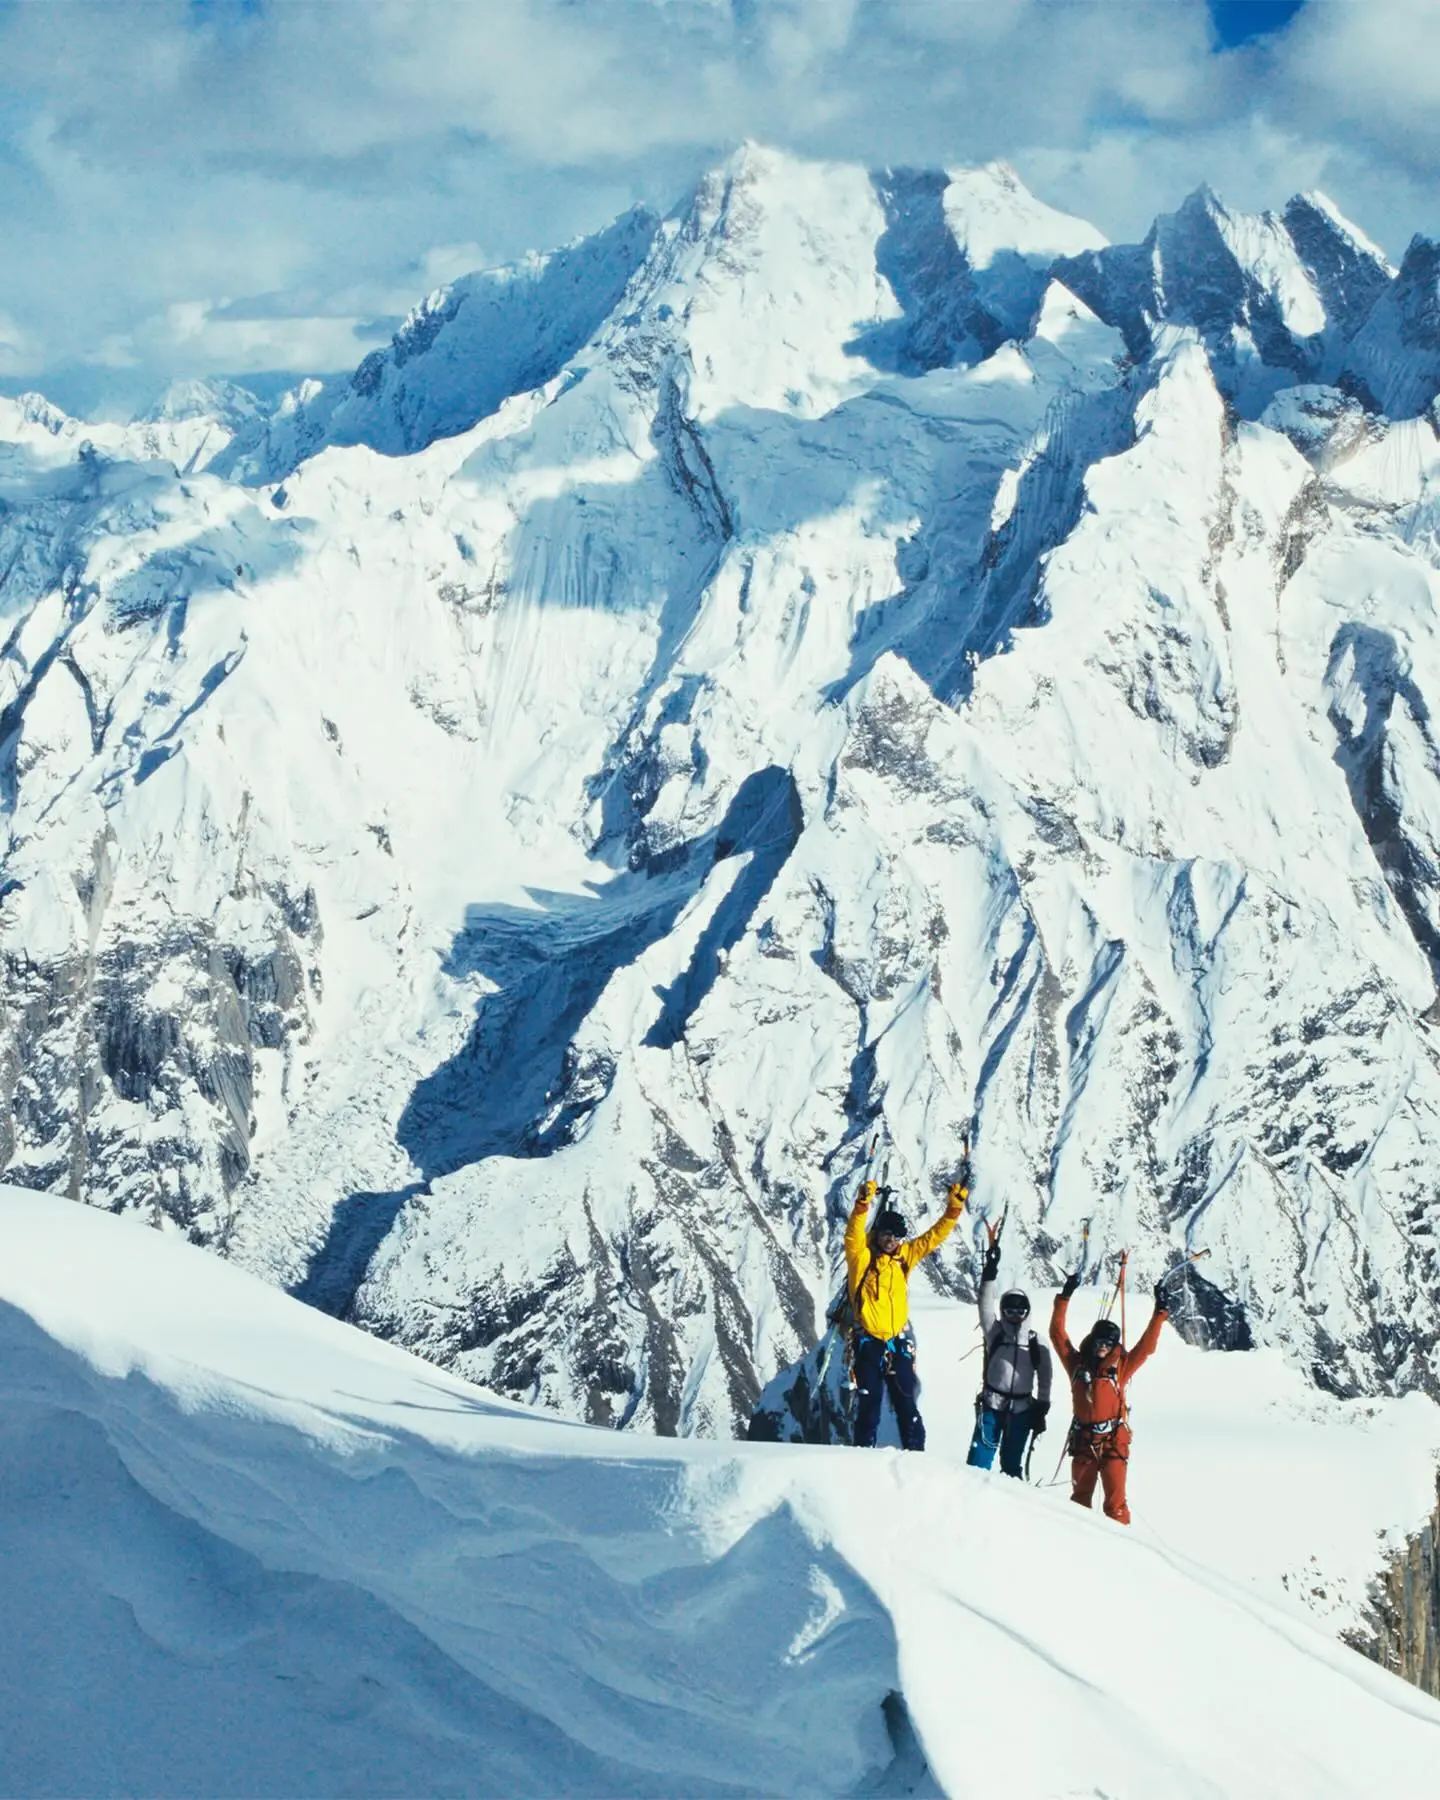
(1100, 1371)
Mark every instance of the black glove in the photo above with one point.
(963, 1174)
(1039, 1413)
(990, 1268)
(1071, 1283)
(1162, 1296)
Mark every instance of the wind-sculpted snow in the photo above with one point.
(905, 663)
(249, 1550)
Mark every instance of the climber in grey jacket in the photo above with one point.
(1014, 1398)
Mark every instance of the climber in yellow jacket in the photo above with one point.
(878, 1273)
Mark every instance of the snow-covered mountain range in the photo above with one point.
(488, 843)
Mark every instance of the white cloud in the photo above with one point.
(196, 336)
(447, 262)
(324, 166)
(1374, 69)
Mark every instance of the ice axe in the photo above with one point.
(1192, 1256)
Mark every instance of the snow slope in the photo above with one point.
(252, 1550)
(905, 661)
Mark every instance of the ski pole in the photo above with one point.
(1108, 1308)
(1124, 1258)
(870, 1172)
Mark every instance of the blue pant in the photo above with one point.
(881, 1368)
(1005, 1432)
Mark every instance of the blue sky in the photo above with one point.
(196, 186)
(1243, 21)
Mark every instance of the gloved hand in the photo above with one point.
(1162, 1296)
(963, 1173)
(1071, 1283)
(990, 1268)
(1039, 1413)
(866, 1194)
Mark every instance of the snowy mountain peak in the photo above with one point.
(1275, 297)
(459, 355)
(194, 398)
(1323, 207)
(32, 409)
(991, 212)
(865, 676)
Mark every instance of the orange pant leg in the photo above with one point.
(1112, 1475)
(1084, 1473)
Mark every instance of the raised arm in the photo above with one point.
(1145, 1349)
(920, 1247)
(989, 1311)
(857, 1251)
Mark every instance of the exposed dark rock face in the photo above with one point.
(1403, 1632)
(128, 1073)
(1394, 362)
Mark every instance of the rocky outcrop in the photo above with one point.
(1402, 1633)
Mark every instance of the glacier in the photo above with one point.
(487, 843)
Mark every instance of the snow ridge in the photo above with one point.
(325, 1567)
